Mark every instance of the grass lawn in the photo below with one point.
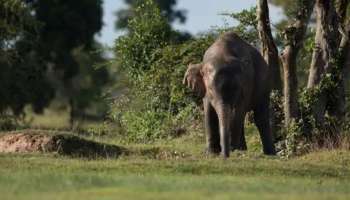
(176, 169)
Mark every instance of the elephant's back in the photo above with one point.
(228, 50)
(254, 64)
(227, 46)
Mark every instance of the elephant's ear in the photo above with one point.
(194, 79)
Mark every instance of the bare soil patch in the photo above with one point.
(64, 144)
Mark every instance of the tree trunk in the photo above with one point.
(270, 53)
(71, 113)
(290, 89)
(294, 37)
(329, 44)
(344, 50)
(268, 46)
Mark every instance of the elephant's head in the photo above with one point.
(194, 79)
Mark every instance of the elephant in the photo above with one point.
(232, 79)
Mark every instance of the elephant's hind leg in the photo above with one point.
(243, 144)
(211, 128)
(238, 139)
(261, 118)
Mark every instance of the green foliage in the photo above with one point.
(45, 49)
(294, 142)
(304, 61)
(277, 115)
(247, 25)
(149, 31)
(67, 43)
(304, 132)
(160, 103)
(8, 122)
(88, 85)
(166, 7)
(157, 104)
(290, 7)
(15, 18)
(22, 76)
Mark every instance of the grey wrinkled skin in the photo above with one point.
(233, 79)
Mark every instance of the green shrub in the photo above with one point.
(148, 31)
(159, 104)
(154, 61)
(8, 122)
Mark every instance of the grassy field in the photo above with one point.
(176, 169)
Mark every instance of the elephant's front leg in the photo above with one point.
(237, 135)
(261, 117)
(224, 112)
(211, 127)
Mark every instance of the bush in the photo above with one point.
(151, 55)
(8, 122)
(306, 134)
(148, 31)
(158, 103)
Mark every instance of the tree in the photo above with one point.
(67, 25)
(268, 46)
(45, 49)
(324, 97)
(166, 7)
(87, 86)
(22, 76)
(329, 58)
(68, 29)
(294, 35)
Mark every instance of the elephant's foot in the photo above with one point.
(238, 143)
(213, 151)
(240, 147)
(270, 151)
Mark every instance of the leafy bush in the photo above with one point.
(306, 133)
(148, 31)
(154, 61)
(277, 115)
(8, 122)
(159, 103)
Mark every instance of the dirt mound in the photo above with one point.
(64, 144)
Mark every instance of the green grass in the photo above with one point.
(173, 169)
(176, 169)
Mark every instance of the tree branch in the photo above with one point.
(268, 46)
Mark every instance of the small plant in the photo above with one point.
(8, 122)
(277, 115)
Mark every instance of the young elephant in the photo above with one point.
(232, 80)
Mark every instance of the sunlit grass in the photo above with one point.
(147, 174)
(173, 169)
(248, 176)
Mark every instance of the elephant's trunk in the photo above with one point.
(225, 116)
